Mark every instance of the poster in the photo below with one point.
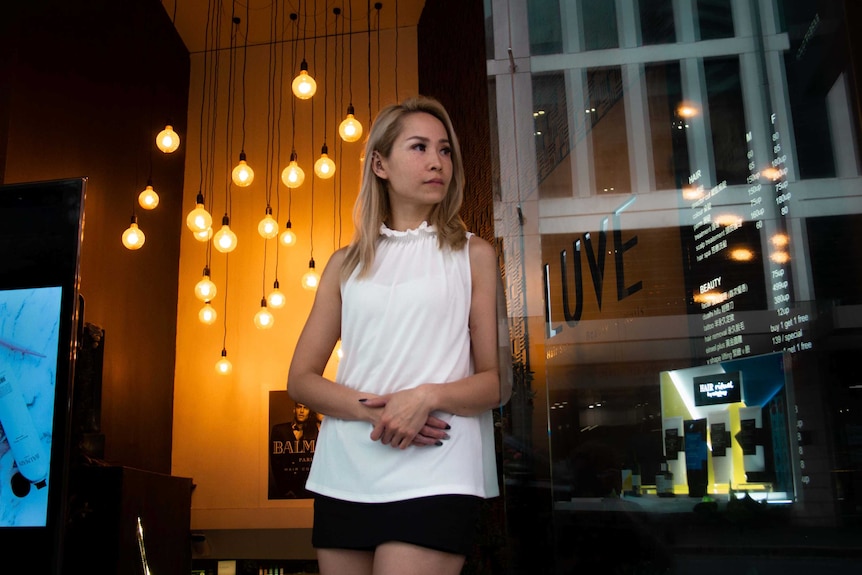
(293, 430)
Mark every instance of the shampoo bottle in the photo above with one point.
(23, 438)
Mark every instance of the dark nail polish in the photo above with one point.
(439, 443)
(363, 400)
(448, 426)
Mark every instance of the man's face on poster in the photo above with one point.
(300, 413)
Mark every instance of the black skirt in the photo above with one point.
(442, 522)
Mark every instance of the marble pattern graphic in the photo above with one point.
(29, 336)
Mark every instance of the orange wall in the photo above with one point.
(77, 99)
(221, 422)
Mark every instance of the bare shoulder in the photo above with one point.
(333, 265)
(330, 281)
(482, 253)
(337, 258)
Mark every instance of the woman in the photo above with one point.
(406, 450)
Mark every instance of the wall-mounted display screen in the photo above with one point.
(41, 227)
(29, 334)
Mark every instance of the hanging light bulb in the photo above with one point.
(292, 175)
(263, 319)
(242, 175)
(304, 85)
(275, 299)
(224, 366)
(133, 237)
(148, 199)
(207, 314)
(205, 235)
(205, 289)
(168, 141)
(268, 227)
(311, 277)
(225, 240)
(287, 237)
(324, 167)
(199, 219)
(350, 129)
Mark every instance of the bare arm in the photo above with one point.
(405, 410)
(322, 330)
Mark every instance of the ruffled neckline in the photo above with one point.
(423, 229)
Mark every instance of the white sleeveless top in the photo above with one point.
(405, 324)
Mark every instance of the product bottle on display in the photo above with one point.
(626, 480)
(636, 479)
(30, 456)
(696, 454)
(628, 471)
(664, 481)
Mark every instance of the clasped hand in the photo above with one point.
(404, 418)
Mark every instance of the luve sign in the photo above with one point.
(596, 256)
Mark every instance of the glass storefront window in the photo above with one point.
(489, 28)
(726, 119)
(817, 98)
(656, 20)
(682, 271)
(715, 19)
(606, 126)
(669, 122)
(545, 32)
(551, 131)
(599, 19)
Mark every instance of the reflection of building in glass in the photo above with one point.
(685, 186)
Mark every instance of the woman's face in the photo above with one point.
(418, 170)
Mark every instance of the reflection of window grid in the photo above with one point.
(725, 103)
(656, 19)
(551, 127)
(715, 19)
(767, 99)
(668, 132)
(591, 45)
(607, 126)
(599, 19)
(605, 89)
(544, 26)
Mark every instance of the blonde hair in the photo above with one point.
(372, 205)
